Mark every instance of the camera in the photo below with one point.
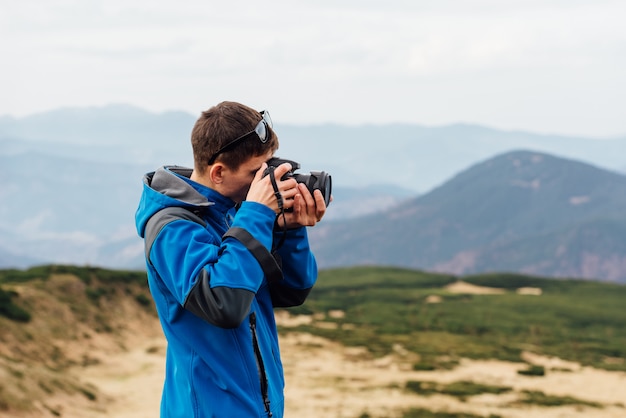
(320, 180)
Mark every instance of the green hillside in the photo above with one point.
(51, 317)
(576, 320)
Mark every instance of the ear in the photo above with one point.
(216, 173)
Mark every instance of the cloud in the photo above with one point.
(507, 64)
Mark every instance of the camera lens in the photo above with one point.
(317, 180)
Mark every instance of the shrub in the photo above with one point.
(143, 300)
(425, 413)
(533, 370)
(539, 398)
(461, 389)
(10, 310)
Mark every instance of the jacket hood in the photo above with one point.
(164, 188)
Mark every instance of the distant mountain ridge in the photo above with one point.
(521, 211)
(413, 157)
(72, 179)
(110, 125)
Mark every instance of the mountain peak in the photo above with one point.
(517, 204)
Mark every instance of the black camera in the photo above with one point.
(320, 180)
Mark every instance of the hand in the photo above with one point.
(307, 209)
(262, 191)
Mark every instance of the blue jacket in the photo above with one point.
(214, 302)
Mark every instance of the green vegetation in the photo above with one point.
(98, 283)
(533, 370)
(576, 320)
(541, 399)
(42, 273)
(425, 413)
(465, 389)
(461, 390)
(9, 309)
(85, 274)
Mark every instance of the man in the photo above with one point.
(214, 270)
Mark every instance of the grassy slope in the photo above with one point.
(54, 317)
(575, 320)
(50, 316)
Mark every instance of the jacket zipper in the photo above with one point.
(260, 365)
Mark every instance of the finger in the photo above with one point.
(281, 170)
(297, 205)
(289, 188)
(304, 215)
(320, 205)
(319, 198)
(300, 207)
(308, 214)
(306, 195)
(289, 201)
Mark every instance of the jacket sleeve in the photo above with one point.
(299, 269)
(215, 280)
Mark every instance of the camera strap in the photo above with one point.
(279, 197)
(281, 208)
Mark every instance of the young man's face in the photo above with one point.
(237, 182)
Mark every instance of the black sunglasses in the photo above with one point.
(261, 131)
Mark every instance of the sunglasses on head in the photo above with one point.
(261, 131)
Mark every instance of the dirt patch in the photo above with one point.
(464, 287)
(532, 291)
(327, 379)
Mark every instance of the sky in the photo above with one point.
(544, 66)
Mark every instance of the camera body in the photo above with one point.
(319, 180)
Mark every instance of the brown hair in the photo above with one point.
(221, 124)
